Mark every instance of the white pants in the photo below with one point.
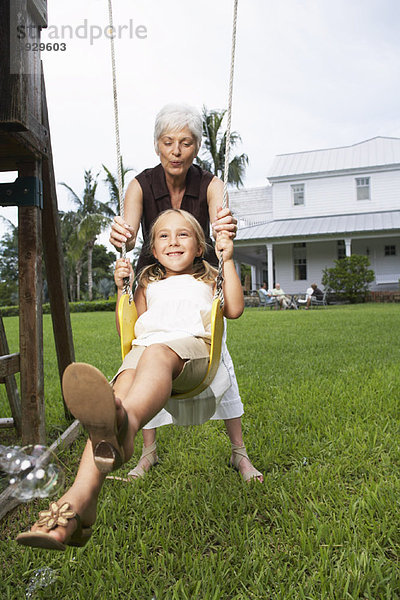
(230, 406)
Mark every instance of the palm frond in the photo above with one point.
(214, 144)
(75, 198)
(8, 223)
(112, 182)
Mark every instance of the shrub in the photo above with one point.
(95, 306)
(349, 278)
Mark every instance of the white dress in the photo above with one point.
(230, 405)
(176, 307)
(179, 307)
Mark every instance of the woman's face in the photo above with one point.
(177, 150)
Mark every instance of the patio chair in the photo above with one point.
(264, 302)
(291, 302)
(316, 302)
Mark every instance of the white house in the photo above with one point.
(323, 205)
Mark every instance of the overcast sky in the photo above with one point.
(309, 74)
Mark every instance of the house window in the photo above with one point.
(362, 185)
(298, 194)
(390, 250)
(300, 261)
(341, 249)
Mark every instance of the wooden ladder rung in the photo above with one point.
(9, 365)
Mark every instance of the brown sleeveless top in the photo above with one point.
(156, 199)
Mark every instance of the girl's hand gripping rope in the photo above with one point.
(123, 270)
(224, 243)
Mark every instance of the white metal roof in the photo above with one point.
(315, 226)
(251, 200)
(251, 205)
(376, 152)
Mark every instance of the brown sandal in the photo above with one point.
(90, 398)
(56, 516)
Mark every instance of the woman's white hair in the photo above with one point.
(174, 117)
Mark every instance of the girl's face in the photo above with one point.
(177, 150)
(175, 244)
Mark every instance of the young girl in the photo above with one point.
(170, 353)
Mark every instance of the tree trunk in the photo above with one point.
(71, 286)
(89, 268)
(78, 271)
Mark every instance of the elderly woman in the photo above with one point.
(178, 183)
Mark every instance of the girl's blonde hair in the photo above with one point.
(202, 270)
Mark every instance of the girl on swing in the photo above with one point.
(170, 354)
(178, 182)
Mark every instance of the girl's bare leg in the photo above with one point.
(146, 395)
(82, 496)
(142, 396)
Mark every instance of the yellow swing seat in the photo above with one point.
(127, 317)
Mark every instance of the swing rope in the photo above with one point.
(127, 288)
(220, 278)
(127, 314)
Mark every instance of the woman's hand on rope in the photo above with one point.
(121, 233)
(123, 269)
(226, 222)
(224, 243)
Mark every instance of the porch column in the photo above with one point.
(259, 276)
(238, 269)
(253, 272)
(347, 242)
(270, 260)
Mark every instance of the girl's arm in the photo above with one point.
(220, 219)
(233, 292)
(125, 230)
(123, 269)
(140, 300)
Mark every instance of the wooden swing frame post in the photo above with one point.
(25, 147)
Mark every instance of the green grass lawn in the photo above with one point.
(322, 421)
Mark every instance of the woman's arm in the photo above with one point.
(125, 230)
(220, 219)
(232, 287)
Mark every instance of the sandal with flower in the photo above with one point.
(90, 398)
(56, 516)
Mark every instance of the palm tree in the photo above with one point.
(72, 247)
(112, 182)
(214, 141)
(93, 216)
